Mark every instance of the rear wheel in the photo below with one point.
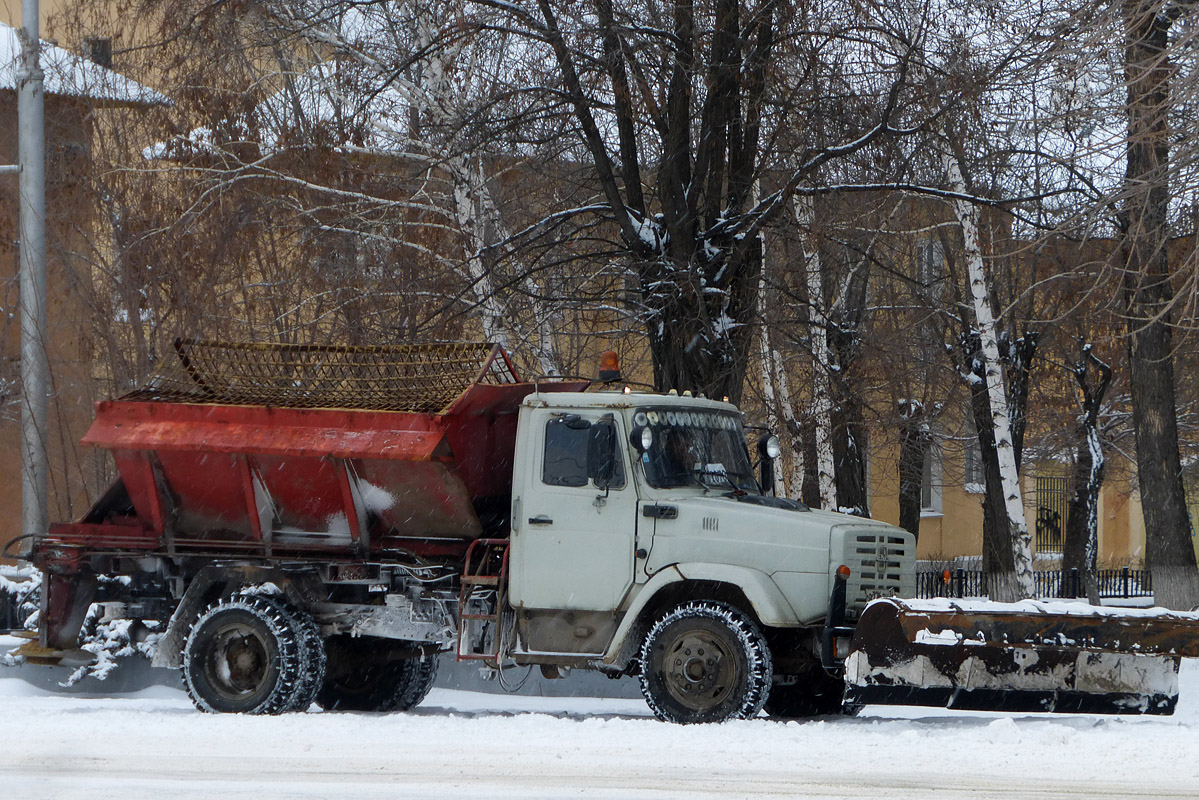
(312, 658)
(705, 662)
(311, 651)
(422, 672)
(243, 655)
(396, 685)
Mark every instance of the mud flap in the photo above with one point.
(65, 601)
(1022, 657)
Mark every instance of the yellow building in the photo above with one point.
(75, 88)
(952, 517)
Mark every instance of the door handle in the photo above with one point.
(659, 511)
(540, 519)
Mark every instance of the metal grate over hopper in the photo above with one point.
(417, 378)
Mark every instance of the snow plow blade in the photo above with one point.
(1021, 657)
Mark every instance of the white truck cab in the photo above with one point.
(628, 508)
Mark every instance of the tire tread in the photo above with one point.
(279, 625)
(753, 647)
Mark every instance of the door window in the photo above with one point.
(564, 462)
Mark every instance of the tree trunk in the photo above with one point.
(997, 544)
(700, 338)
(1080, 545)
(770, 374)
(850, 445)
(798, 452)
(1019, 370)
(810, 489)
(1080, 541)
(1149, 297)
(1019, 583)
(818, 336)
(913, 442)
(850, 435)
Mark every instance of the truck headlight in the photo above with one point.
(642, 437)
(773, 448)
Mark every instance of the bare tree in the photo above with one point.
(1149, 299)
(680, 110)
(1080, 545)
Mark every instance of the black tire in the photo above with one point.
(422, 672)
(311, 653)
(705, 662)
(390, 686)
(242, 655)
(312, 675)
(815, 694)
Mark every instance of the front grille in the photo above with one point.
(882, 563)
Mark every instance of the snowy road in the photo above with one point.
(465, 744)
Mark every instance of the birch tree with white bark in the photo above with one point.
(1020, 582)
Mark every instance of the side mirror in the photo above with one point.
(601, 453)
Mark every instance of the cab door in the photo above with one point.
(572, 540)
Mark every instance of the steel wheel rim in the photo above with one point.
(699, 670)
(239, 661)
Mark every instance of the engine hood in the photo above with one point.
(724, 530)
(798, 549)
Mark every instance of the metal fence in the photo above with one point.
(1053, 503)
(1123, 583)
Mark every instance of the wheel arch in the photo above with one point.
(750, 591)
(209, 584)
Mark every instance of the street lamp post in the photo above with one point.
(35, 369)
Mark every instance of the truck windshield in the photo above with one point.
(695, 448)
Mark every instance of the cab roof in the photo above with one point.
(617, 400)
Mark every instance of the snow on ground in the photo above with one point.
(459, 744)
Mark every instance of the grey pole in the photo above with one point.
(35, 370)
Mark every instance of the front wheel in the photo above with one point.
(705, 662)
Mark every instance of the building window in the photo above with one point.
(930, 265)
(930, 482)
(98, 50)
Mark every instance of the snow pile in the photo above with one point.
(19, 582)
(19, 589)
(1073, 608)
(110, 640)
(113, 640)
